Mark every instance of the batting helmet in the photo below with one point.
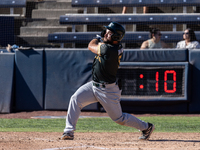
(117, 29)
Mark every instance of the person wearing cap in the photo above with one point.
(104, 87)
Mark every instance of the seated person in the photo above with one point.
(189, 40)
(155, 41)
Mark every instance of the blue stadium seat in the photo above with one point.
(12, 3)
(85, 37)
(133, 3)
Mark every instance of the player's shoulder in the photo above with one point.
(104, 46)
(107, 46)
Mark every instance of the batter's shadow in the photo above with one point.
(166, 140)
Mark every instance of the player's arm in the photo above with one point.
(144, 45)
(94, 46)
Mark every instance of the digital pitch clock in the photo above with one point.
(154, 80)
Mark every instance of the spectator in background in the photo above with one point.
(145, 10)
(155, 41)
(124, 10)
(189, 40)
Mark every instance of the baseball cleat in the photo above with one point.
(67, 136)
(146, 133)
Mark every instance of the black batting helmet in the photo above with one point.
(117, 29)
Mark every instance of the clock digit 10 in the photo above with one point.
(157, 79)
(166, 73)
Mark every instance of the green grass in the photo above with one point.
(162, 124)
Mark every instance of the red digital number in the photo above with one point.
(174, 79)
(157, 79)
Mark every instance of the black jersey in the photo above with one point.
(106, 63)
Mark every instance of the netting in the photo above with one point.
(36, 23)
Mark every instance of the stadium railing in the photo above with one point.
(13, 4)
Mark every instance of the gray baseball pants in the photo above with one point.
(108, 97)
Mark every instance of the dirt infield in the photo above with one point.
(89, 141)
(92, 141)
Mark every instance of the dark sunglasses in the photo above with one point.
(186, 33)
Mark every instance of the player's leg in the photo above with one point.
(81, 98)
(110, 100)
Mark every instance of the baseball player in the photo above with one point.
(104, 88)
